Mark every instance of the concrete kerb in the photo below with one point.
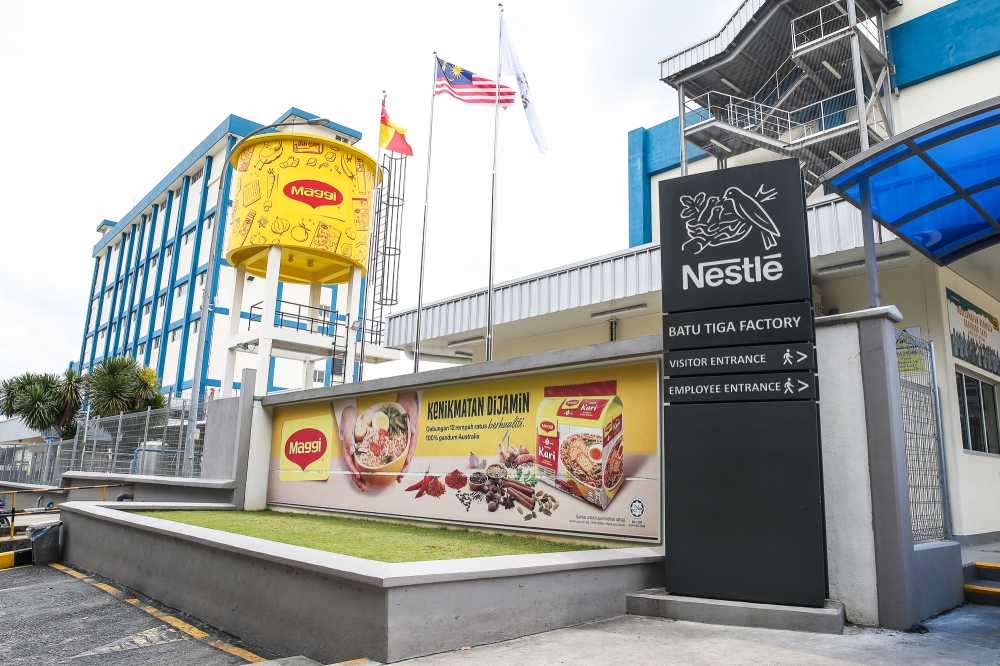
(659, 603)
(388, 612)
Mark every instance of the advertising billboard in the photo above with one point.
(305, 193)
(574, 452)
(975, 334)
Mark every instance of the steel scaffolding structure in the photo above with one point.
(800, 78)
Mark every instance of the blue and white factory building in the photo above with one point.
(151, 273)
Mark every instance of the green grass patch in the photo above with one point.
(370, 539)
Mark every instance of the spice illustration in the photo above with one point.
(300, 233)
(272, 180)
(280, 226)
(350, 233)
(311, 161)
(258, 239)
(346, 249)
(290, 162)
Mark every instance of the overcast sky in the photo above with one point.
(102, 99)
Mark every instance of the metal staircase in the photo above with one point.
(787, 77)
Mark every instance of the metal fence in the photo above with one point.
(150, 442)
(922, 426)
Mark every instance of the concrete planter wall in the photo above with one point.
(331, 607)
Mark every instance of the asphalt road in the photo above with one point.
(50, 616)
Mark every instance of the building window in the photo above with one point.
(141, 349)
(155, 343)
(201, 279)
(194, 327)
(179, 291)
(318, 376)
(161, 300)
(146, 308)
(173, 335)
(208, 222)
(152, 262)
(977, 409)
(195, 178)
(100, 334)
(187, 237)
(169, 251)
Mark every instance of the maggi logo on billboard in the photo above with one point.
(313, 193)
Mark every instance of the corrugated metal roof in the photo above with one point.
(714, 45)
(619, 275)
(834, 226)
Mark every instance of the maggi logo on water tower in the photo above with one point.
(310, 196)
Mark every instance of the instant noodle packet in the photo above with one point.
(580, 440)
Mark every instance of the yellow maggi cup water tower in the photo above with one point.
(301, 214)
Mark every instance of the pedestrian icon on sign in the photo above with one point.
(789, 386)
(788, 357)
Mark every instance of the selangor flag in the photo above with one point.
(468, 87)
(393, 137)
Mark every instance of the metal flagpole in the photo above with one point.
(493, 206)
(423, 237)
(376, 192)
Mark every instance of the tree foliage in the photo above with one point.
(47, 401)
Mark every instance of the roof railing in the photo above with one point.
(831, 20)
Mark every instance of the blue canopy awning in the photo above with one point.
(936, 186)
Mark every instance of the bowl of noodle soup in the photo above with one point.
(381, 441)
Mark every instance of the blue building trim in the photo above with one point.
(954, 36)
(159, 276)
(90, 309)
(198, 229)
(650, 152)
(114, 296)
(175, 255)
(145, 282)
(126, 346)
(123, 310)
(232, 124)
(212, 286)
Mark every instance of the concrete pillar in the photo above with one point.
(258, 457)
(267, 320)
(235, 310)
(353, 309)
(315, 291)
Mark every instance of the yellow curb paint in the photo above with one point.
(6, 560)
(987, 565)
(181, 625)
(982, 589)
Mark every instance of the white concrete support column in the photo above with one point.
(258, 456)
(353, 306)
(315, 290)
(235, 309)
(267, 319)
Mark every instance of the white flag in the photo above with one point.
(510, 66)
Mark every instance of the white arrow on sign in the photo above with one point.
(801, 357)
(803, 386)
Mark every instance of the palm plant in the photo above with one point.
(121, 384)
(36, 403)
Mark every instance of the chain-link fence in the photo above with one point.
(921, 424)
(151, 442)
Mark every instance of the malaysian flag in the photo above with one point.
(465, 86)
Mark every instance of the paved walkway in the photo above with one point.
(987, 552)
(53, 616)
(968, 636)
